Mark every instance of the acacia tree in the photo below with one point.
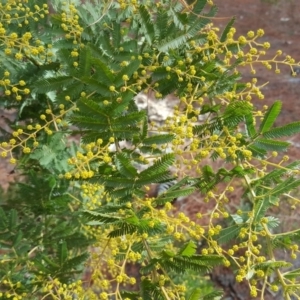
(84, 205)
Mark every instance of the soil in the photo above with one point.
(7, 173)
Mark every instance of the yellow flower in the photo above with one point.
(26, 150)
(13, 161)
(13, 36)
(19, 56)
(3, 154)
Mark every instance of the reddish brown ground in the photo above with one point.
(6, 171)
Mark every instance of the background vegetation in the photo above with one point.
(72, 72)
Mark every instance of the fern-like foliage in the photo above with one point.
(91, 159)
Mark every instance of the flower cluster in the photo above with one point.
(16, 90)
(21, 45)
(205, 131)
(26, 138)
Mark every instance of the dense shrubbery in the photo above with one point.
(74, 73)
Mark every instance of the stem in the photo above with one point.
(165, 293)
(104, 13)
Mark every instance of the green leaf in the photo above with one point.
(116, 34)
(229, 233)
(147, 23)
(130, 295)
(144, 129)
(50, 262)
(257, 152)
(170, 195)
(150, 290)
(17, 239)
(98, 52)
(260, 208)
(52, 84)
(272, 222)
(250, 126)
(271, 145)
(161, 165)
(159, 139)
(90, 123)
(62, 252)
(188, 250)
(270, 117)
(286, 130)
(100, 217)
(213, 295)
(195, 295)
(84, 68)
(210, 109)
(117, 182)
(196, 25)
(276, 174)
(74, 262)
(127, 70)
(237, 109)
(199, 6)
(124, 166)
(292, 274)
(3, 219)
(226, 30)
(237, 219)
(95, 85)
(180, 264)
(102, 71)
(122, 229)
(272, 265)
(162, 23)
(128, 119)
(156, 177)
(173, 43)
(284, 187)
(106, 45)
(12, 219)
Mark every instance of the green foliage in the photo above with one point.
(82, 213)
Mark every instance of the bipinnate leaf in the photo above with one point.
(124, 166)
(226, 30)
(270, 117)
(147, 22)
(283, 131)
(292, 274)
(271, 145)
(189, 249)
(62, 252)
(229, 233)
(195, 294)
(159, 139)
(53, 83)
(214, 295)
